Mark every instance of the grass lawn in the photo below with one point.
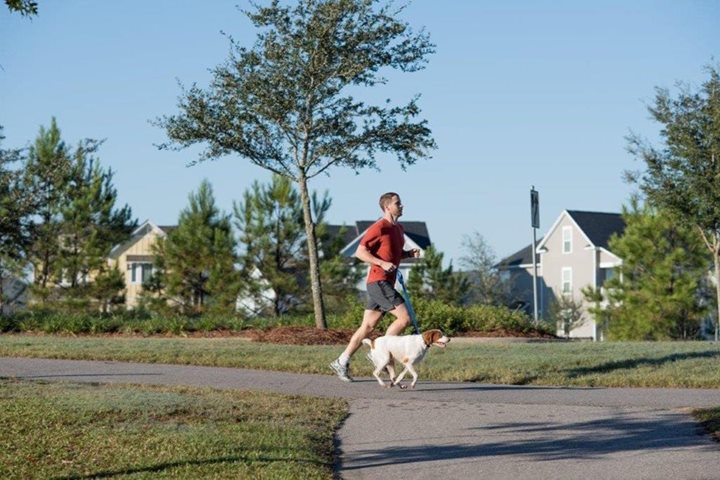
(66, 430)
(619, 364)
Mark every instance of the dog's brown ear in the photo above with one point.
(432, 336)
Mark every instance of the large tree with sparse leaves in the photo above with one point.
(290, 103)
(682, 175)
(26, 8)
(480, 264)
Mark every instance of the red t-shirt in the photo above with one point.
(385, 241)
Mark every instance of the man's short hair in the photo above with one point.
(386, 198)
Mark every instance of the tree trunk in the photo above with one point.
(315, 285)
(717, 290)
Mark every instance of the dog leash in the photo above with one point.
(408, 303)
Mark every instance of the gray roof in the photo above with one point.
(521, 257)
(348, 232)
(598, 227)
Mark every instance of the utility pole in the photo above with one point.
(535, 222)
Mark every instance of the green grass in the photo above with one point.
(65, 430)
(614, 364)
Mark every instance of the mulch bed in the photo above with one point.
(302, 336)
(312, 336)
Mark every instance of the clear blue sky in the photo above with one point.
(518, 94)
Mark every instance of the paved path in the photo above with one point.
(466, 431)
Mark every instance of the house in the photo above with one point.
(135, 258)
(416, 236)
(517, 271)
(572, 255)
(14, 294)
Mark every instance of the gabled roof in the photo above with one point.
(347, 232)
(146, 227)
(518, 259)
(597, 227)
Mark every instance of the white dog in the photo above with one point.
(407, 349)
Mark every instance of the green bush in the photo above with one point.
(431, 314)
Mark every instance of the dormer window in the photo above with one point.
(567, 240)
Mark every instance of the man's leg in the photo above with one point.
(340, 365)
(402, 320)
(370, 320)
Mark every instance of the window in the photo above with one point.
(567, 280)
(140, 272)
(604, 275)
(567, 239)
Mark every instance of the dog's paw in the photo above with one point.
(402, 387)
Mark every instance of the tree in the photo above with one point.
(197, 259)
(287, 104)
(659, 290)
(108, 288)
(429, 279)
(270, 222)
(340, 275)
(25, 8)
(15, 209)
(91, 225)
(479, 261)
(566, 314)
(47, 175)
(75, 222)
(683, 175)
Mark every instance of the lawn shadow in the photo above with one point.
(639, 362)
(160, 467)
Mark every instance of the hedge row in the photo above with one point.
(431, 314)
(453, 319)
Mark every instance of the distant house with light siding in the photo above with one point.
(135, 258)
(573, 254)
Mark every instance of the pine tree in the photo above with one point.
(15, 208)
(659, 291)
(340, 275)
(75, 222)
(91, 225)
(47, 175)
(682, 174)
(270, 222)
(197, 259)
(429, 279)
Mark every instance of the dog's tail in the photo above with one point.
(368, 342)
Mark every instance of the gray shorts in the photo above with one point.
(383, 297)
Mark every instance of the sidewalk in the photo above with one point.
(464, 430)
